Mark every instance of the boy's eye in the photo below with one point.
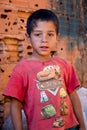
(40, 34)
(50, 34)
(37, 34)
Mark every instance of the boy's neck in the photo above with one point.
(41, 58)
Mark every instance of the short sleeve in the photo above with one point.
(71, 78)
(16, 86)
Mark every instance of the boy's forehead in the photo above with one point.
(44, 25)
(44, 22)
(44, 30)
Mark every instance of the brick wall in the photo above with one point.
(14, 45)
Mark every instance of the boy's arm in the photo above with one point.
(78, 109)
(16, 114)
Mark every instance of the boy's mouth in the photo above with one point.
(44, 48)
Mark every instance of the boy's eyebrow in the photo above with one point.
(41, 31)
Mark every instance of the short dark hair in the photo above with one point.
(41, 15)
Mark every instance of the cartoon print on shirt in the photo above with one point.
(64, 108)
(43, 97)
(50, 79)
(48, 111)
(63, 103)
(63, 93)
(59, 122)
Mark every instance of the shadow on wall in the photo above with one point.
(8, 123)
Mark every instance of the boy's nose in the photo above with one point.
(44, 38)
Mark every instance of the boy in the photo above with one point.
(44, 85)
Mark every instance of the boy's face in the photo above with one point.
(43, 39)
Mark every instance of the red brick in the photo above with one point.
(4, 1)
(37, 4)
(8, 20)
(4, 76)
(4, 58)
(21, 4)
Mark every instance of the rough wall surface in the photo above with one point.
(14, 45)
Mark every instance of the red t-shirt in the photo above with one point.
(44, 88)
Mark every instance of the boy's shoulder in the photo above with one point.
(21, 65)
(64, 64)
(22, 62)
(61, 61)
